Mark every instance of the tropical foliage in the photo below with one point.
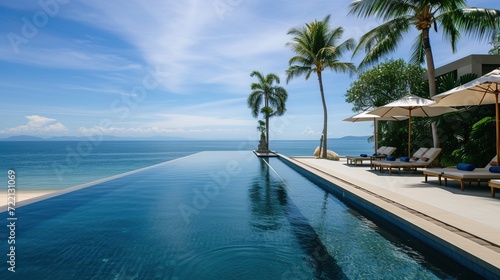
(262, 129)
(267, 98)
(383, 84)
(496, 45)
(469, 135)
(316, 47)
(400, 16)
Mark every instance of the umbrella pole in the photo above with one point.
(497, 124)
(375, 134)
(409, 132)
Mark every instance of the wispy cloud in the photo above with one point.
(148, 131)
(186, 121)
(97, 90)
(68, 58)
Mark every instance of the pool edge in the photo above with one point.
(86, 185)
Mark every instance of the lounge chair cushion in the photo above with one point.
(390, 158)
(405, 159)
(466, 166)
(419, 153)
(363, 155)
(495, 169)
(494, 163)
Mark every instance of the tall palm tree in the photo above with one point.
(451, 16)
(273, 96)
(316, 48)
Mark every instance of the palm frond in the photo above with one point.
(450, 31)
(254, 102)
(418, 54)
(478, 23)
(296, 71)
(382, 40)
(382, 9)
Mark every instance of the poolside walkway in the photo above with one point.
(469, 220)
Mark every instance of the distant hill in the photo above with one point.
(351, 138)
(22, 138)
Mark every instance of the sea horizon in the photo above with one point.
(55, 165)
(21, 138)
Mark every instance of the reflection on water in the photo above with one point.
(270, 204)
(266, 200)
(259, 226)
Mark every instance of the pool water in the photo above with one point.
(211, 215)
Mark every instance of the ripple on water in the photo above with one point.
(236, 262)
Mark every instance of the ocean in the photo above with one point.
(54, 165)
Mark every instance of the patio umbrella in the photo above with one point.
(411, 106)
(365, 116)
(483, 90)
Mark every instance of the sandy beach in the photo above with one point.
(22, 195)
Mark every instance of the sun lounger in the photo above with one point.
(494, 184)
(416, 156)
(424, 161)
(477, 175)
(382, 152)
(355, 159)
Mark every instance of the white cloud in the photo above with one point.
(177, 124)
(36, 125)
(38, 121)
(309, 131)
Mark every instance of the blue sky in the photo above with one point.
(171, 68)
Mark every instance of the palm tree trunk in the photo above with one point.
(431, 72)
(267, 122)
(325, 115)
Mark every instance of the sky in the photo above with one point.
(176, 69)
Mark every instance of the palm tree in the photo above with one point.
(316, 49)
(274, 98)
(452, 16)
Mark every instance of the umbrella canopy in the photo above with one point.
(411, 106)
(365, 116)
(483, 90)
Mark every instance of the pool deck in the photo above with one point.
(468, 221)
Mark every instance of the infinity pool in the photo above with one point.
(212, 215)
